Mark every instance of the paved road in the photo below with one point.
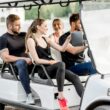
(12, 108)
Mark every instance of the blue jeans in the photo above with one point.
(22, 69)
(83, 68)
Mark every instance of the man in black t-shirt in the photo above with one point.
(12, 50)
(73, 56)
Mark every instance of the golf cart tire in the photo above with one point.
(99, 105)
(2, 106)
(103, 107)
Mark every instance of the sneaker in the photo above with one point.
(63, 104)
(30, 99)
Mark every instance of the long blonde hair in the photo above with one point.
(32, 30)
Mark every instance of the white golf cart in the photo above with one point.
(97, 87)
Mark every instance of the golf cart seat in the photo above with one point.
(8, 71)
(52, 82)
(9, 81)
(37, 79)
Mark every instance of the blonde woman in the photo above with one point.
(58, 26)
(38, 45)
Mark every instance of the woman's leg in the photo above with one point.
(58, 70)
(21, 66)
(70, 76)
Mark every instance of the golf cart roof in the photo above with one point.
(30, 3)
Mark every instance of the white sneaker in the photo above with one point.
(30, 99)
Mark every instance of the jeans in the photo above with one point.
(22, 69)
(83, 68)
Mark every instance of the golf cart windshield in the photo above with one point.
(96, 22)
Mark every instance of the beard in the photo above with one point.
(15, 32)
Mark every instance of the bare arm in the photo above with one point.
(57, 46)
(75, 49)
(31, 46)
(10, 58)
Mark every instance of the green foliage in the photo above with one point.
(75, 7)
(56, 10)
(31, 14)
(47, 11)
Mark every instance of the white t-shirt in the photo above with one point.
(56, 55)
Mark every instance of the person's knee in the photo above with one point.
(21, 63)
(61, 65)
(88, 64)
(90, 67)
(61, 68)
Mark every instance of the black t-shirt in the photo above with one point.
(15, 44)
(67, 57)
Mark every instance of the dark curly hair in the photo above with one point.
(74, 17)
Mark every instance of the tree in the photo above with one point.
(47, 10)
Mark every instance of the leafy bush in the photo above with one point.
(47, 11)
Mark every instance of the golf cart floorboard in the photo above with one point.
(15, 108)
(13, 105)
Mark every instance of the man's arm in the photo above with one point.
(75, 49)
(10, 58)
(4, 52)
(70, 48)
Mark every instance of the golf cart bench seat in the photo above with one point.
(8, 72)
(37, 79)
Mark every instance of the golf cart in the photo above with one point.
(97, 87)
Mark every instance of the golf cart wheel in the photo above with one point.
(2, 106)
(103, 107)
(100, 105)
